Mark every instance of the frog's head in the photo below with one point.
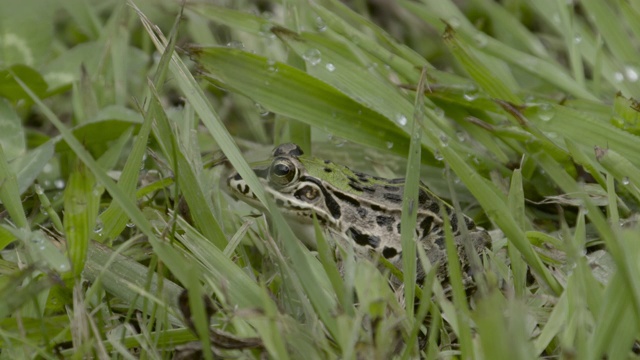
(287, 179)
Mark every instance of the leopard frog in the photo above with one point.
(361, 208)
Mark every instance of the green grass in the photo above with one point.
(523, 114)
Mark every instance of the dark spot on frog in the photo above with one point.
(362, 212)
(327, 161)
(423, 197)
(363, 179)
(389, 252)
(434, 208)
(279, 202)
(392, 188)
(347, 198)
(397, 181)
(392, 197)
(363, 239)
(369, 189)
(425, 225)
(440, 242)
(375, 207)
(355, 186)
(384, 221)
(352, 179)
(399, 228)
(327, 170)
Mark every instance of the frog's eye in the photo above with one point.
(282, 172)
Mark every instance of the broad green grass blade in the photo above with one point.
(10, 194)
(81, 202)
(290, 92)
(516, 205)
(410, 201)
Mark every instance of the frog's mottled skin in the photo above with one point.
(365, 209)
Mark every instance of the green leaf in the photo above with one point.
(11, 90)
(285, 90)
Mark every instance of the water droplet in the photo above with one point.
(312, 56)
(481, 39)
(372, 67)
(438, 155)
(462, 136)
(471, 93)
(271, 66)
(439, 112)
(235, 44)
(58, 183)
(618, 76)
(43, 211)
(261, 110)
(47, 168)
(38, 189)
(577, 39)
(330, 67)
(555, 18)
(401, 120)
(389, 144)
(99, 226)
(625, 180)
(320, 24)
(444, 140)
(546, 112)
(63, 267)
(631, 73)
(131, 225)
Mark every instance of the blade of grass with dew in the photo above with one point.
(295, 94)
(81, 203)
(508, 27)
(405, 68)
(28, 166)
(586, 131)
(497, 82)
(623, 170)
(410, 203)
(550, 72)
(333, 63)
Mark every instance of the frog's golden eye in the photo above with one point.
(282, 172)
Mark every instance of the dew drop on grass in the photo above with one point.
(261, 110)
(330, 67)
(444, 140)
(481, 39)
(401, 120)
(320, 24)
(438, 155)
(312, 56)
(625, 180)
(631, 74)
(389, 145)
(58, 183)
(546, 112)
(235, 44)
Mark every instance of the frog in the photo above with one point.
(364, 211)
